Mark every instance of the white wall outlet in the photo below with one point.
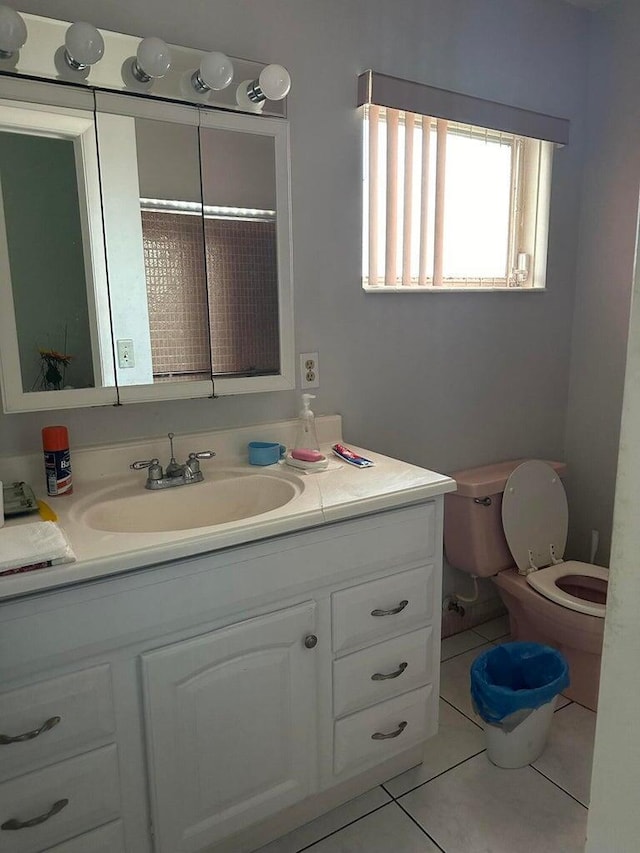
(309, 370)
(126, 357)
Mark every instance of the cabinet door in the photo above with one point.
(231, 727)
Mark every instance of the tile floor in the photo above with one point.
(457, 801)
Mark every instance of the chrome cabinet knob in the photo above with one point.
(311, 641)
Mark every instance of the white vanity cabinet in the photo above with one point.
(211, 704)
(231, 727)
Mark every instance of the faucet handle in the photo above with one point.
(193, 463)
(154, 466)
(144, 463)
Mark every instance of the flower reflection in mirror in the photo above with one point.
(53, 367)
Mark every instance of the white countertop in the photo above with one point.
(341, 492)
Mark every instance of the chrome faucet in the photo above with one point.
(174, 474)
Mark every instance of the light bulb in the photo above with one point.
(275, 82)
(84, 45)
(153, 59)
(215, 72)
(13, 32)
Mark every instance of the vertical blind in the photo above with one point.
(439, 201)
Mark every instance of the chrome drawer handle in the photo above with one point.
(380, 676)
(382, 736)
(14, 823)
(48, 724)
(391, 612)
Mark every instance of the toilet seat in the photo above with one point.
(544, 582)
(535, 520)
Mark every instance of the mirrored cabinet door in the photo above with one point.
(55, 348)
(154, 236)
(240, 237)
(245, 190)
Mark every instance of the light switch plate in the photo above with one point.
(126, 357)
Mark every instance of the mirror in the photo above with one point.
(38, 176)
(175, 280)
(54, 324)
(240, 237)
(152, 202)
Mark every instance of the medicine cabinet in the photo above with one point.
(145, 249)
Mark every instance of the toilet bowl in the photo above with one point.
(516, 513)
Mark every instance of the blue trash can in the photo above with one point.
(514, 688)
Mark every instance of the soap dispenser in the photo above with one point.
(306, 436)
(306, 449)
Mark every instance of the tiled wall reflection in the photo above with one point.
(242, 308)
(176, 293)
(243, 295)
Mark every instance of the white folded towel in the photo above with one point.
(35, 544)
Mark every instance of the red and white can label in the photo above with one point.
(57, 466)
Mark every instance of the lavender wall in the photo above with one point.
(604, 273)
(444, 381)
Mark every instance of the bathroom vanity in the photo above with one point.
(209, 689)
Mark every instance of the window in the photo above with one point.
(449, 204)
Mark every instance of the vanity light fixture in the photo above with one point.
(152, 60)
(215, 72)
(84, 46)
(13, 32)
(273, 84)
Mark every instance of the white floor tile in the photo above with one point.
(477, 807)
(458, 643)
(455, 681)
(569, 751)
(328, 823)
(456, 740)
(562, 702)
(388, 830)
(494, 629)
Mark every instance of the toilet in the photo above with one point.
(509, 521)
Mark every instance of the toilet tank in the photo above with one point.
(473, 537)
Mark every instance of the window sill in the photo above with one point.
(381, 288)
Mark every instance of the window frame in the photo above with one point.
(535, 135)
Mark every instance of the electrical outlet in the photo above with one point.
(125, 353)
(309, 370)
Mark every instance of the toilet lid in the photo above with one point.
(535, 515)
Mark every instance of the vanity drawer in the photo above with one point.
(374, 610)
(382, 671)
(89, 784)
(81, 702)
(107, 839)
(398, 723)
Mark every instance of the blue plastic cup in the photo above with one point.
(265, 452)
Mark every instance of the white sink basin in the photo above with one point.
(225, 496)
